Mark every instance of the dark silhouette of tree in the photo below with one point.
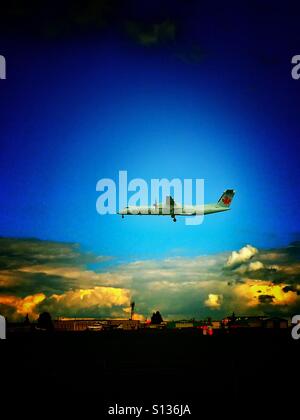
(156, 318)
(208, 320)
(26, 320)
(232, 319)
(45, 321)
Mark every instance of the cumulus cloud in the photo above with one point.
(98, 296)
(82, 301)
(214, 301)
(255, 265)
(239, 257)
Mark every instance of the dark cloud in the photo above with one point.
(294, 249)
(287, 289)
(267, 273)
(283, 255)
(16, 253)
(266, 298)
(22, 283)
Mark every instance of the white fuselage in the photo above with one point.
(163, 210)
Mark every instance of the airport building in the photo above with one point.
(241, 322)
(206, 327)
(254, 322)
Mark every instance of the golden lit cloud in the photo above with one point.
(136, 316)
(255, 292)
(98, 296)
(23, 306)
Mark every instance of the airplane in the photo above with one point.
(170, 208)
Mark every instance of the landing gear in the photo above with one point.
(122, 216)
(174, 219)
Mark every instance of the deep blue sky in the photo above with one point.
(77, 109)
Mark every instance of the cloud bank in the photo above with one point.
(42, 275)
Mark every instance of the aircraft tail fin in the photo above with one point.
(226, 198)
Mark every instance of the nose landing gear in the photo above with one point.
(122, 216)
(174, 218)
